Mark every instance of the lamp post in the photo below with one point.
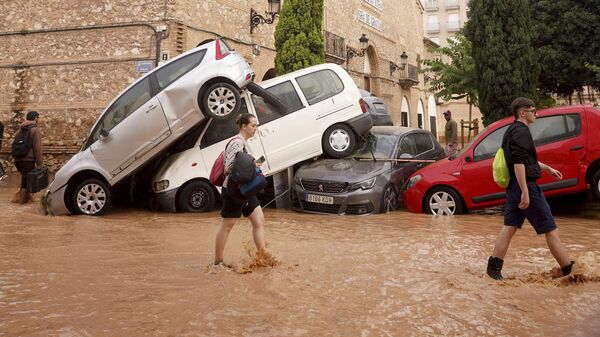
(403, 62)
(351, 52)
(256, 19)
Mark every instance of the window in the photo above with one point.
(174, 70)
(404, 118)
(433, 25)
(287, 95)
(488, 147)
(265, 112)
(320, 85)
(130, 101)
(408, 145)
(220, 129)
(423, 142)
(380, 108)
(554, 128)
(453, 22)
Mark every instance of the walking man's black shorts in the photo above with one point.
(538, 213)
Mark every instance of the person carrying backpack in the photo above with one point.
(27, 151)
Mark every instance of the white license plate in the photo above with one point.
(321, 199)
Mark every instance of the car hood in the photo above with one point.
(445, 166)
(346, 170)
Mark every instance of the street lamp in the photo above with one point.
(403, 62)
(257, 19)
(351, 52)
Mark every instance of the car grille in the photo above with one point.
(323, 208)
(323, 186)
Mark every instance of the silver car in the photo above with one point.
(371, 178)
(376, 107)
(144, 119)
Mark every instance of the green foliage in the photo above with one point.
(567, 37)
(454, 79)
(505, 64)
(298, 36)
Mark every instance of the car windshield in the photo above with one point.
(469, 144)
(378, 145)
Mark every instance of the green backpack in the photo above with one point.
(500, 169)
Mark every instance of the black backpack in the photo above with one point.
(22, 142)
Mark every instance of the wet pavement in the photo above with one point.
(135, 272)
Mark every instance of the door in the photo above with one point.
(560, 144)
(135, 123)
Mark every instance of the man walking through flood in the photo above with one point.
(524, 198)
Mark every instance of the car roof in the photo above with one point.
(394, 130)
(297, 73)
(542, 112)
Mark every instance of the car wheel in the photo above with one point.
(596, 185)
(389, 199)
(197, 196)
(443, 201)
(221, 101)
(91, 197)
(338, 141)
(268, 97)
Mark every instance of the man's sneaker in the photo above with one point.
(219, 266)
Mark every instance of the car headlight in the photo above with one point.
(365, 184)
(161, 185)
(413, 181)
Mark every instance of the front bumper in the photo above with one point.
(413, 199)
(355, 202)
(167, 201)
(54, 203)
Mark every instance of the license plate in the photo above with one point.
(320, 199)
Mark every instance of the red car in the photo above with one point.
(564, 138)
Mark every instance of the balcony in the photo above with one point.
(453, 26)
(335, 48)
(452, 4)
(409, 76)
(431, 5)
(433, 27)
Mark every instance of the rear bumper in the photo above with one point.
(166, 201)
(361, 124)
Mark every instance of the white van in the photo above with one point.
(325, 114)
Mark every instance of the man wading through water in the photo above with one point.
(524, 198)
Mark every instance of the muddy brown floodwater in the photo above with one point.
(134, 272)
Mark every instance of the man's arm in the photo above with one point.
(453, 132)
(37, 146)
(553, 172)
(522, 180)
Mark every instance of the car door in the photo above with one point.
(286, 139)
(475, 176)
(414, 146)
(135, 123)
(559, 144)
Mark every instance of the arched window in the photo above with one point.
(420, 122)
(432, 112)
(404, 113)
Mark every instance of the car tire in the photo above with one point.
(196, 197)
(338, 141)
(268, 97)
(389, 199)
(596, 185)
(91, 197)
(443, 201)
(221, 100)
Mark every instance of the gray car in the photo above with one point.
(371, 178)
(376, 107)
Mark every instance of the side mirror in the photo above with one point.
(468, 159)
(103, 134)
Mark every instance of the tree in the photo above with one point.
(505, 65)
(298, 36)
(455, 79)
(567, 37)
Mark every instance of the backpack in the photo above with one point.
(22, 143)
(217, 172)
(500, 169)
(244, 168)
(500, 166)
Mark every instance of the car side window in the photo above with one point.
(554, 128)
(408, 145)
(320, 85)
(423, 142)
(220, 129)
(265, 112)
(287, 95)
(488, 147)
(174, 70)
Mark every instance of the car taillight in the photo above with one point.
(363, 105)
(221, 52)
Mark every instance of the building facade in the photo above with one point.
(67, 59)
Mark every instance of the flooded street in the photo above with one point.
(134, 272)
